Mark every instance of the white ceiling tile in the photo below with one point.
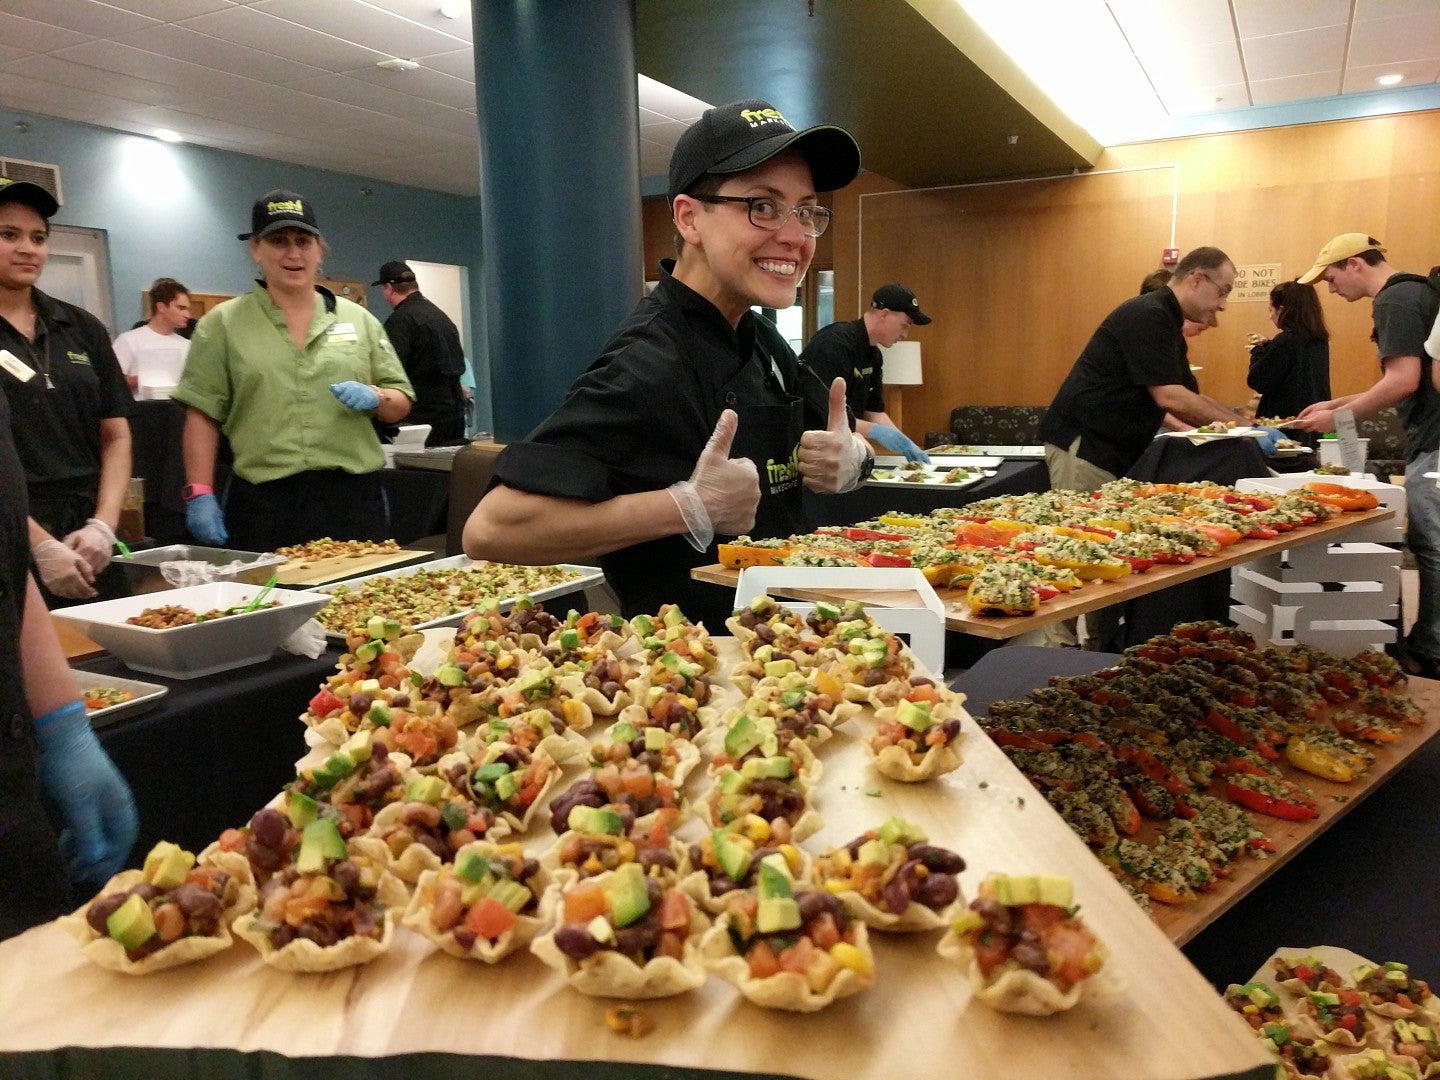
(1295, 87)
(199, 128)
(1409, 37)
(1258, 18)
(430, 85)
(128, 60)
(369, 95)
(32, 36)
(667, 101)
(455, 121)
(7, 54)
(404, 140)
(82, 16)
(364, 24)
(1303, 52)
(460, 63)
(1173, 24)
(83, 77)
(1365, 10)
(47, 98)
(1359, 80)
(172, 10)
(457, 173)
(1196, 67)
(182, 43)
(246, 26)
(427, 13)
(666, 132)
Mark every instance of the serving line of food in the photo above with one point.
(1006, 566)
(676, 780)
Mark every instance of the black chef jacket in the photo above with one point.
(428, 344)
(640, 416)
(1105, 399)
(32, 875)
(843, 350)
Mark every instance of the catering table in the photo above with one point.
(1094, 594)
(1346, 862)
(868, 501)
(519, 1019)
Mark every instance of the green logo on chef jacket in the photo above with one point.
(782, 474)
(78, 357)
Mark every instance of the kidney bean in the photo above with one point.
(528, 869)
(282, 935)
(627, 817)
(764, 633)
(575, 942)
(748, 619)
(359, 703)
(195, 901)
(637, 939)
(719, 886)
(346, 875)
(937, 859)
(897, 895)
(610, 688)
(169, 922)
(1031, 956)
(464, 938)
(654, 890)
(697, 856)
(152, 944)
(875, 676)
(422, 815)
(812, 904)
(679, 716)
(434, 844)
(657, 858)
(921, 680)
(267, 827)
(322, 934)
(951, 728)
(996, 914)
(363, 920)
(936, 891)
(102, 909)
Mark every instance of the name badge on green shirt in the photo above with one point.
(343, 331)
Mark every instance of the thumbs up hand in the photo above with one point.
(831, 460)
(722, 493)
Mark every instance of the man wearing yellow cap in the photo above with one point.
(1354, 266)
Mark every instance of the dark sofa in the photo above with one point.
(991, 425)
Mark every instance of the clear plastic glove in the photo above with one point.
(356, 395)
(205, 522)
(831, 460)
(896, 440)
(95, 543)
(1268, 439)
(63, 570)
(722, 493)
(100, 819)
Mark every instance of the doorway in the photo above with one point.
(78, 271)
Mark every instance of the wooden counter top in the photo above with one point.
(1092, 595)
(919, 1017)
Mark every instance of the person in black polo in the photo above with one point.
(1131, 373)
(428, 344)
(68, 404)
(696, 421)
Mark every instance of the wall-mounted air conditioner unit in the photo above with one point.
(35, 172)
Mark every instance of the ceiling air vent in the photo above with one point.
(35, 172)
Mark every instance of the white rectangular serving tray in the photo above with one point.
(589, 576)
(147, 695)
(932, 481)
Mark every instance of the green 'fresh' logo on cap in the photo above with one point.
(756, 117)
(289, 206)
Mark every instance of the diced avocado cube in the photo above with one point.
(569, 638)
(967, 921)
(852, 631)
(731, 781)
(1324, 997)
(774, 669)
(454, 816)
(656, 739)
(472, 891)
(1014, 890)
(1278, 1034)
(671, 661)
(733, 854)
(367, 652)
(450, 674)
(762, 604)
(777, 768)
(776, 913)
(592, 819)
(535, 682)
(471, 866)
(511, 894)
(425, 789)
(524, 602)
(375, 626)
(826, 611)
(393, 629)
(1395, 965)
(742, 736)
(873, 853)
(489, 774)
(763, 653)
(774, 877)
(643, 624)
(1056, 890)
(368, 686)
(359, 746)
(653, 694)
(629, 895)
(792, 699)
(674, 616)
(899, 831)
(336, 767)
(508, 785)
(167, 864)
(915, 716)
(301, 809)
(131, 924)
(379, 715)
(600, 929)
(320, 841)
(752, 768)
(623, 732)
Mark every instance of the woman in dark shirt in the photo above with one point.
(1292, 369)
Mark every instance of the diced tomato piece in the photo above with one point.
(324, 703)
(488, 918)
(797, 957)
(762, 960)
(823, 931)
(583, 902)
(674, 911)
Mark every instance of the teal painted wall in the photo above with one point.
(175, 209)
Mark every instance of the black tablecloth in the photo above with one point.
(1365, 884)
(419, 500)
(215, 749)
(869, 501)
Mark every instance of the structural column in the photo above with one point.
(559, 193)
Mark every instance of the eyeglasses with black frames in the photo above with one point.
(771, 214)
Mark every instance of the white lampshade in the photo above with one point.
(902, 364)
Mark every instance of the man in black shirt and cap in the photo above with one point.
(635, 468)
(428, 344)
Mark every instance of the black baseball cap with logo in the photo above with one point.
(736, 137)
(28, 194)
(395, 273)
(280, 209)
(899, 298)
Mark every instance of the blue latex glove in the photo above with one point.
(205, 522)
(356, 395)
(896, 440)
(100, 819)
(1270, 437)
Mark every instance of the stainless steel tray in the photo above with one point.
(142, 568)
(147, 696)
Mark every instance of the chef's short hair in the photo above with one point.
(165, 290)
(1202, 258)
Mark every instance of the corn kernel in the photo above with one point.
(848, 956)
(757, 828)
(835, 886)
(792, 857)
(504, 660)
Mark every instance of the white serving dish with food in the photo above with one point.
(201, 648)
(584, 577)
(930, 476)
(143, 695)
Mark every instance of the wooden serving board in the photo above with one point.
(305, 572)
(76, 645)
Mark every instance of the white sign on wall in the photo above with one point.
(1254, 282)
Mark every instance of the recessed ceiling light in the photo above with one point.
(397, 65)
(1390, 80)
(452, 9)
(166, 135)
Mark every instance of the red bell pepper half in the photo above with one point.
(1271, 796)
